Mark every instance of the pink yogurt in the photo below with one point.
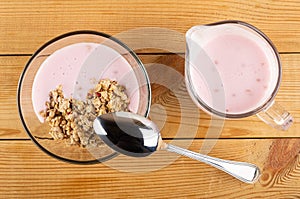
(77, 68)
(242, 64)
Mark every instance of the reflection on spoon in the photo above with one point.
(134, 135)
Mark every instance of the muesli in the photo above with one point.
(72, 120)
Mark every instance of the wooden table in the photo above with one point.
(26, 172)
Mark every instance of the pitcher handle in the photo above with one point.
(276, 116)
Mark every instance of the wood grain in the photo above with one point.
(26, 172)
(26, 25)
(175, 104)
(169, 93)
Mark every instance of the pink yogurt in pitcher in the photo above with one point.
(241, 62)
(77, 68)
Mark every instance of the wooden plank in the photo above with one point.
(10, 124)
(26, 25)
(176, 107)
(195, 123)
(26, 172)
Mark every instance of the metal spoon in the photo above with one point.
(134, 135)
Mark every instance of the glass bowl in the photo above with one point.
(77, 61)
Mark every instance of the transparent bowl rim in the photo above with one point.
(22, 76)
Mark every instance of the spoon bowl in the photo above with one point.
(136, 136)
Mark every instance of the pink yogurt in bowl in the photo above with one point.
(77, 67)
(77, 61)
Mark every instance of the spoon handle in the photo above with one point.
(246, 172)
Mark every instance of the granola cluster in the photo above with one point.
(72, 120)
